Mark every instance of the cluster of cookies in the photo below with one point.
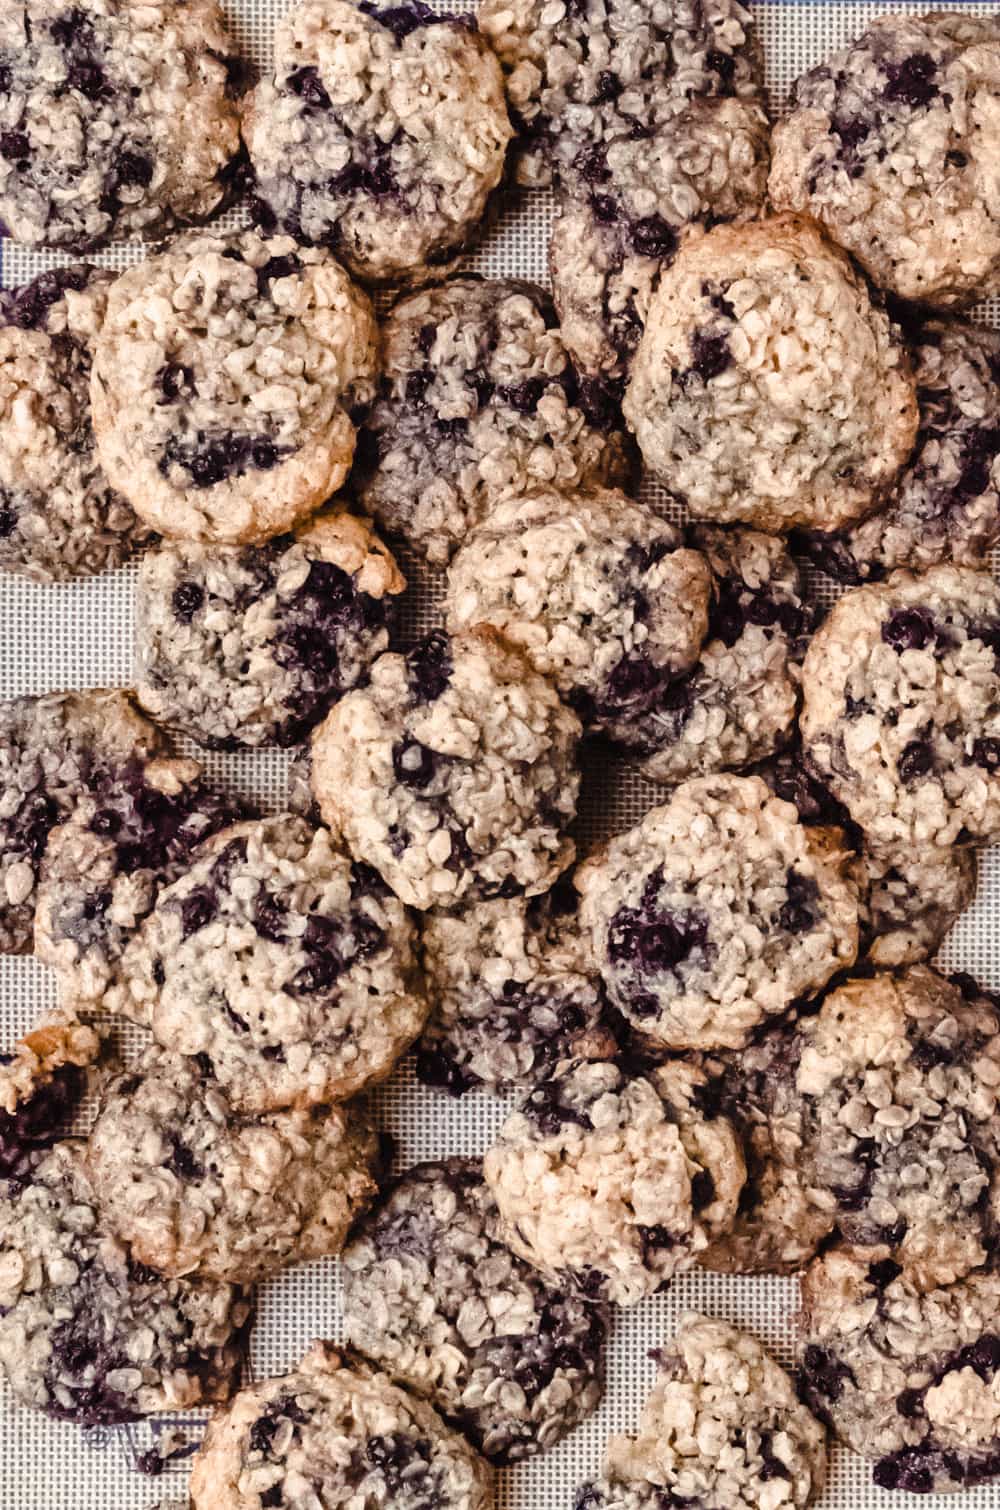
(725, 1042)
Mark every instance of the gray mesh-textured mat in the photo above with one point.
(80, 634)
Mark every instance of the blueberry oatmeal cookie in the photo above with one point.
(513, 991)
(599, 593)
(130, 835)
(248, 646)
(381, 134)
(898, 1077)
(890, 145)
(59, 517)
(945, 505)
(777, 1229)
(901, 707)
(768, 389)
(87, 1334)
(453, 772)
(479, 399)
(227, 379)
(738, 702)
(41, 1085)
(433, 1296)
(717, 911)
(614, 1182)
(722, 1426)
(192, 1187)
(52, 750)
(906, 1379)
(290, 967)
(337, 1434)
(117, 119)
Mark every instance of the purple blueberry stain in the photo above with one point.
(915, 762)
(212, 459)
(306, 83)
(909, 629)
(710, 354)
(912, 81)
(186, 600)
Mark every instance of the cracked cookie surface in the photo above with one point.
(453, 772)
(381, 134)
(227, 379)
(615, 1183)
(248, 646)
(888, 144)
(432, 1295)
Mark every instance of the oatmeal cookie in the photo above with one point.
(226, 381)
(453, 772)
(291, 968)
(249, 645)
(433, 1296)
(615, 1183)
(890, 145)
(381, 134)
(768, 388)
(479, 399)
(716, 912)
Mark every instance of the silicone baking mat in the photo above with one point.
(80, 635)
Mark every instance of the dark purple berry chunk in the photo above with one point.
(38, 1122)
(414, 764)
(916, 761)
(429, 667)
(87, 77)
(132, 168)
(986, 753)
(824, 1375)
(174, 381)
(8, 519)
(14, 145)
(909, 629)
(306, 83)
(710, 354)
(798, 913)
(209, 460)
(912, 81)
(653, 237)
(197, 910)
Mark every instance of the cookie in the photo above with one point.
(768, 389)
(888, 147)
(130, 835)
(341, 1433)
(381, 134)
(899, 1079)
(908, 898)
(738, 702)
(614, 1183)
(945, 505)
(41, 1085)
(723, 1425)
(453, 772)
(59, 517)
(191, 1187)
(597, 591)
(479, 399)
(248, 646)
(433, 1296)
(86, 1334)
(904, 1378)
(513, 991)
(227, 378)
(717, 911)
(289, 967)
(117, 119)
(901, 707)
(52, 750)
(777, 1228)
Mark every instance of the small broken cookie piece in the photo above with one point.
(194, 1188)
(723, 1425)
(381, 134)
(245, 646)
(907, 1379)
(945, 505)
(479, 400)
(344, 1432)
(41, 1082)
(769, 389)
(228, 376)
(292, 967)
(615, 1183)
(453, 772)
(88, 1335)
(901, 707)
(911, 90)
(599, 592)
(717, 911)
(131, 835)
(434, 1296)
(53, 749)
(513, 989)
